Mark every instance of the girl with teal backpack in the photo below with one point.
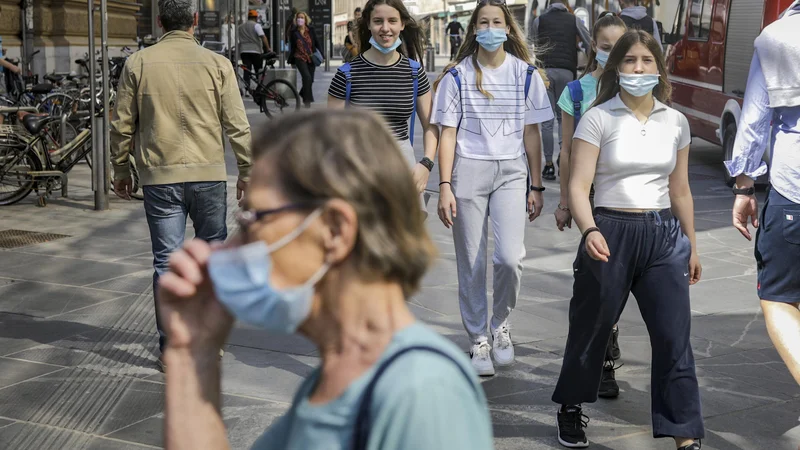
(579, 96)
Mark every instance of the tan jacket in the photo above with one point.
(174, 100)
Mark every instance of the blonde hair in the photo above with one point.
(352, 156)
(515, 45)
(307, 17)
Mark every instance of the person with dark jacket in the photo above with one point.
(303, 43)
(556, 33)
(635, 17)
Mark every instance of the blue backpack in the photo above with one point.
(528, 78)
(415, 67)
(576, 93)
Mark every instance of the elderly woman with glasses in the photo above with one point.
(331, 247)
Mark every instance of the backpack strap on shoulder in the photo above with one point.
(415, 68)
(576, 93)
(528, 78)
(454, 72)
(362, 425)
(348, 85)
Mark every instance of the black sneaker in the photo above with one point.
(614, 344)
(693, 446)
(608, 384)
(549, 172)
(571, 422)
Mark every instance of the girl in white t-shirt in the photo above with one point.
(489, 145)
(639, 239)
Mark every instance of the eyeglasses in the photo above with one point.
(247, 217)
(605, 13)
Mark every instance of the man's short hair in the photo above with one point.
(176, 14)
(627, 2)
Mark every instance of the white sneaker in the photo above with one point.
(502, 348)
(481, 360)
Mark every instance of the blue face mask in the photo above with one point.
(602, 58)
(241, 279)
(638, 85)
(491, 38)
(385, 50)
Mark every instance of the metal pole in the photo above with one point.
(326, 30)
(282, 30)
(238, 23)
(97, 149)
(106, 104)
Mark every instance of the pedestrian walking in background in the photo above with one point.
(640, 238)
(253, 43)
(771, 116)
(489, 104)
(332, 247)
(556, 34)
(636, 17)
(456, 33)
(576, 99)
(387, 78)
(305, 54)
(175, 100)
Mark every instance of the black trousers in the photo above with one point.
(307, 74)
(650, 258)
(253, 62)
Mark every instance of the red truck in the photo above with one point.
(708, 59)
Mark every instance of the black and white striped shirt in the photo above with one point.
(387, 90)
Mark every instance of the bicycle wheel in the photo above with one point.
(15, 182)
(280, 97)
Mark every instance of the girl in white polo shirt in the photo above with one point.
(489, 140)
(640, 240)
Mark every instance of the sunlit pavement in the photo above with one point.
(78, 343)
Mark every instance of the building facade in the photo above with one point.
(61, 30)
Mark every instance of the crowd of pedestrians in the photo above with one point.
(333, 237)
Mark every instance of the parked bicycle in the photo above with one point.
(27, 166)
(275, 97)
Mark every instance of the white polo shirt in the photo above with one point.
(636, 159)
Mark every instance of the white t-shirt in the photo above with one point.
(636, 159)
(491, 128)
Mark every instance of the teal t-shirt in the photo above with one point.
(589, 85)
(422, 401)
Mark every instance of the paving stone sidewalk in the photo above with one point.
(78, 343)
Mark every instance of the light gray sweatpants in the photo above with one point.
(408, 152)
(558, 78)
(488, 190)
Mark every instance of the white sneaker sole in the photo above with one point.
(484, 372)
(567, 444)
(502, 363)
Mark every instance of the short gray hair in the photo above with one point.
(176, 14)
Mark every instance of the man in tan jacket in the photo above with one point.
(174, 101)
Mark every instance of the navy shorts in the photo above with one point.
(778, 250)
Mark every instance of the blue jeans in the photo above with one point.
(167, 206)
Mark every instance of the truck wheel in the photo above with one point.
(728, 138)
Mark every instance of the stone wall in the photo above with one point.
(61, 30)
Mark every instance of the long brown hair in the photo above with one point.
(608, 84)
(411, 36)
(608, 20)
(515, 45)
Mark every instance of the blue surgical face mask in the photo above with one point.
(241, 279)
(385, 50)
(491, 38)
(638, 85)
(602, 58)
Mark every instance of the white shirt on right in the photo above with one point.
(636, 159)
(491, 128)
